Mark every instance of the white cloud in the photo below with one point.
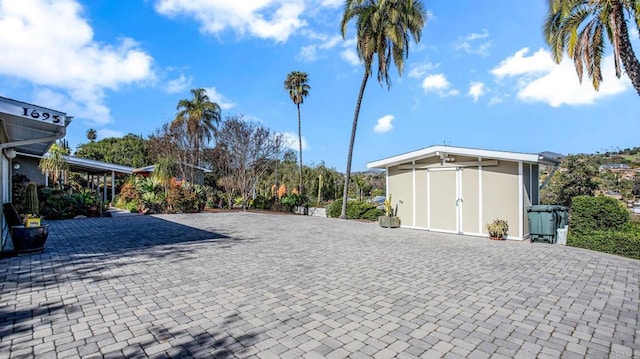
(520, 64)
(495, 100)
(106, 133)
(439, 84)
(264, 19)
(471, 43)
(332, 3)
(351, 56)
(384, 124)
(291, 140)
(179, 84)
(476, 90)
(63, 59)
(310, 53)
(220, 99)
(539, 79)
(420, 70)
(307, 53)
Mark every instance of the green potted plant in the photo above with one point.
(28, 234)
(389, 220)
(498, 229)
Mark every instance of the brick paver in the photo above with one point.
(264, 286)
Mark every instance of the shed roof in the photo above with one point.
(444, 151)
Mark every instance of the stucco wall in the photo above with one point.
(500, 195)
(401, 191)
(29, 167)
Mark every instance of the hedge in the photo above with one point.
(355, 210)
(625, 242)
(597, 214)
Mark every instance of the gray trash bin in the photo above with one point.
(543, 223)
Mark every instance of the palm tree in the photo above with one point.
(296, 84)
(92, 135)
(54, 163)
(578, 27)
(200, 117)
(383, 28)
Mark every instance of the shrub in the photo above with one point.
(355, 210)
(56, 204)
(262, 202)
(597, 214)
(182, 200)
(623, 242)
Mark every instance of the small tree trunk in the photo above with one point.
(345, 193)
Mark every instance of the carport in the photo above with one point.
(97, 173)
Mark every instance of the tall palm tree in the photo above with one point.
(383, 29)
(578, 27)
(296, 84)
(200, 117)
(91, 135)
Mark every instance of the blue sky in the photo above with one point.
(481, 76)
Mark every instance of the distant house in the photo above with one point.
(146, 171)
(623, 171)
(460, 190)
(614, 167)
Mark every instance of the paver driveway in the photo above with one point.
(246, 284)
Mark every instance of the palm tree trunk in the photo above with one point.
(629, 59)
(300, 146)
(345, 193)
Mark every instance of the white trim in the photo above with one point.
(459, 200)
(428, 199)
(386, 182)
(480, 203)
(461, 151)
(520, 200)
(415, 197)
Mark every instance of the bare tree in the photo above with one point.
(172, 141)
(251, 150)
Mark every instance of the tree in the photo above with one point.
(199, 117)
(130, 150)
(91, 135)
(578, 27)
(250, 151)
(54, 162)
(172, 141)
(578, 177)
(383, 29)
(165, 169)
(296, 84)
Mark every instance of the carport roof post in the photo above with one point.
(440, 150)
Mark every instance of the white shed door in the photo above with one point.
(445, 199)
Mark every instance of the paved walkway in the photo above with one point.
(231, 285)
